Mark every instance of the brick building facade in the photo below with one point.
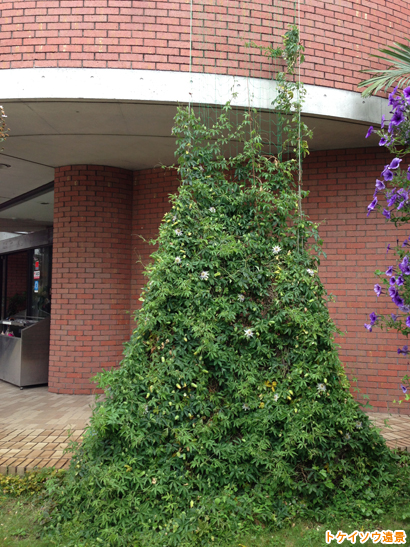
(90, 90)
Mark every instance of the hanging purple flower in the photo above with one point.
(408, 322)
(392, 280)
(406, 93)
(382, 122)
(403, 388)
(373, 318)
(387, 248)
(400, 281)
(390, 270)
(404, 350)
(392, 99)
(394, 164)
(404, 266)
(368, 327)
(396, 120)
(380, 185)
(408, 173)
(377, 290)
(393, 292)
(391, 197)
(386, 213)
(394, 317)
(383, 141)
(405, 308)
(369, 132)
(371, 206)
(387, 174)
(398, 301)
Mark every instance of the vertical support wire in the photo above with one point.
(300, 130)
(190, 56)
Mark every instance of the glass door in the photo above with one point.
(39, 289)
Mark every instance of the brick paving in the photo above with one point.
(34, 427)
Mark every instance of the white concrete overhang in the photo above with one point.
(123, 118)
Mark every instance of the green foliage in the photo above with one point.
(29, 483)
(398, 57)
(231, 408)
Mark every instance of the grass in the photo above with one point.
(20, 517)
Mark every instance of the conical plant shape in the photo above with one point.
(231, 407)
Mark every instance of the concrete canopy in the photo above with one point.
(123, 118)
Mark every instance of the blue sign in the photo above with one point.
(36, 286)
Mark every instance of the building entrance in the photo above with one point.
(25, 316)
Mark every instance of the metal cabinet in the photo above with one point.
(24, 357)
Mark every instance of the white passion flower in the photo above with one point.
(178, 232)
(248, 333)
(204, 275)
(178, 260)
(276, 397)
(245, 407)
(212, 209)
(241, 297)
(276, 249)
(311, 272)
(321, 388)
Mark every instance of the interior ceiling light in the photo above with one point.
(4, 166)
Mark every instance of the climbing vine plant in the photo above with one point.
(231, 409)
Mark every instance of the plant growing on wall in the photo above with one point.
(391, 198)
(231, 408)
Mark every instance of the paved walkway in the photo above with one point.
(34, 427)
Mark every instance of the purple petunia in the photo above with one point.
(383, 141)
(392, 280)
(380, 185)
(404, 350)
(394, 317)
(377, 290)
(408, 173)
(404, 266)
(406, 93)
(382, 122)
(403, 388)
(398, 301)
(400, 281)
(386, 213)
(387, 248)
(391, 197)
(387, 174)
(408, 322)
(396, 120)
(393, 292)
(371, 206)
(368, 327)
(394, 164)
(390, 270)
(373, 318)
(369, 132)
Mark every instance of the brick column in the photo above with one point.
(91, 274)
(152, 188)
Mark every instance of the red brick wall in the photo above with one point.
(339, 35)
(91, 274)
(152, 188)
(341, 184)
(17, 266)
